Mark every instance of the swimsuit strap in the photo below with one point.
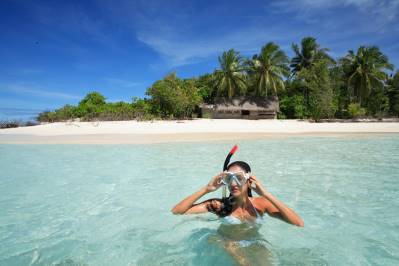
(257, 214)
(231, 219)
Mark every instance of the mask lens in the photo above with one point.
(226, 179)
(239, 178)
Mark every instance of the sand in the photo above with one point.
(120, 132)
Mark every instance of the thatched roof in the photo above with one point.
(247, 103)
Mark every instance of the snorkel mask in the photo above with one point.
(240, 178)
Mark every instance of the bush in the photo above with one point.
(292, 107)
(142, 109)
(321, 103)
(281, 116)
(47, 116)
(91, 106)
(206, 88)
(393, 94)
(67, 112)
(9, 124)
(378, 103)
(93, 98)
(116, 112)
(16, 123)
(173, 97)
(355, 110)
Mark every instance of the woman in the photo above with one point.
(240, 208)
(244, 207)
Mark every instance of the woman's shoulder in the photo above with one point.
(260, 203)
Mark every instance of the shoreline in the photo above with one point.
(133, 132)
(115, 139)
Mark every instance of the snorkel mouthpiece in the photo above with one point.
(226, 163)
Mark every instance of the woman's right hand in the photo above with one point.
(215, 183)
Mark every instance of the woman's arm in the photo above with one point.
(275, 207)
(187, 206)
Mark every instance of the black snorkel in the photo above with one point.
(228, 157)
(226, 163)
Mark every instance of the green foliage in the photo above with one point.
(355, 110)
(142, 109)
(321, 99)
(230, 79)
(116, 111)
(317, 88)
(293, 106)
(268, 69)
(92, 105)
(378, 103)
(393, 94)
(309, 54)
(66, 112)
(173, 97)
(341, 96)
(93, 98)
(206, 87)
(365, 72)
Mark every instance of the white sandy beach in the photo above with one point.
(114, 132)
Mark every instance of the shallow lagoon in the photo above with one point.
(110, 204)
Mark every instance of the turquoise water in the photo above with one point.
(110, 204)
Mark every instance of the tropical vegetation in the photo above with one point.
(310, 85)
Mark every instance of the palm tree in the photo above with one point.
(393, 93)
(230, 78)
(309, 53)
(269, 68)
(365, 70)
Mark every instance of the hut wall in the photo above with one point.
(238, 114)
(260, 114)
(227, 114)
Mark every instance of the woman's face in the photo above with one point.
(236, 190)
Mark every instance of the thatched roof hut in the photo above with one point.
(242, 107)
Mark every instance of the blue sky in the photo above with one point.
(54, 52)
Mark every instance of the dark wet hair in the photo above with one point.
(227, 203)
(240, 164)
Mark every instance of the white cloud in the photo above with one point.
(181, 33)
(179, 48)
(378, 11)
(174, 39)
(184, 34)
(330, 3)
(38, 92)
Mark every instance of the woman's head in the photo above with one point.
(242, 188)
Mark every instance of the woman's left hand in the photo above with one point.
(256, 185)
